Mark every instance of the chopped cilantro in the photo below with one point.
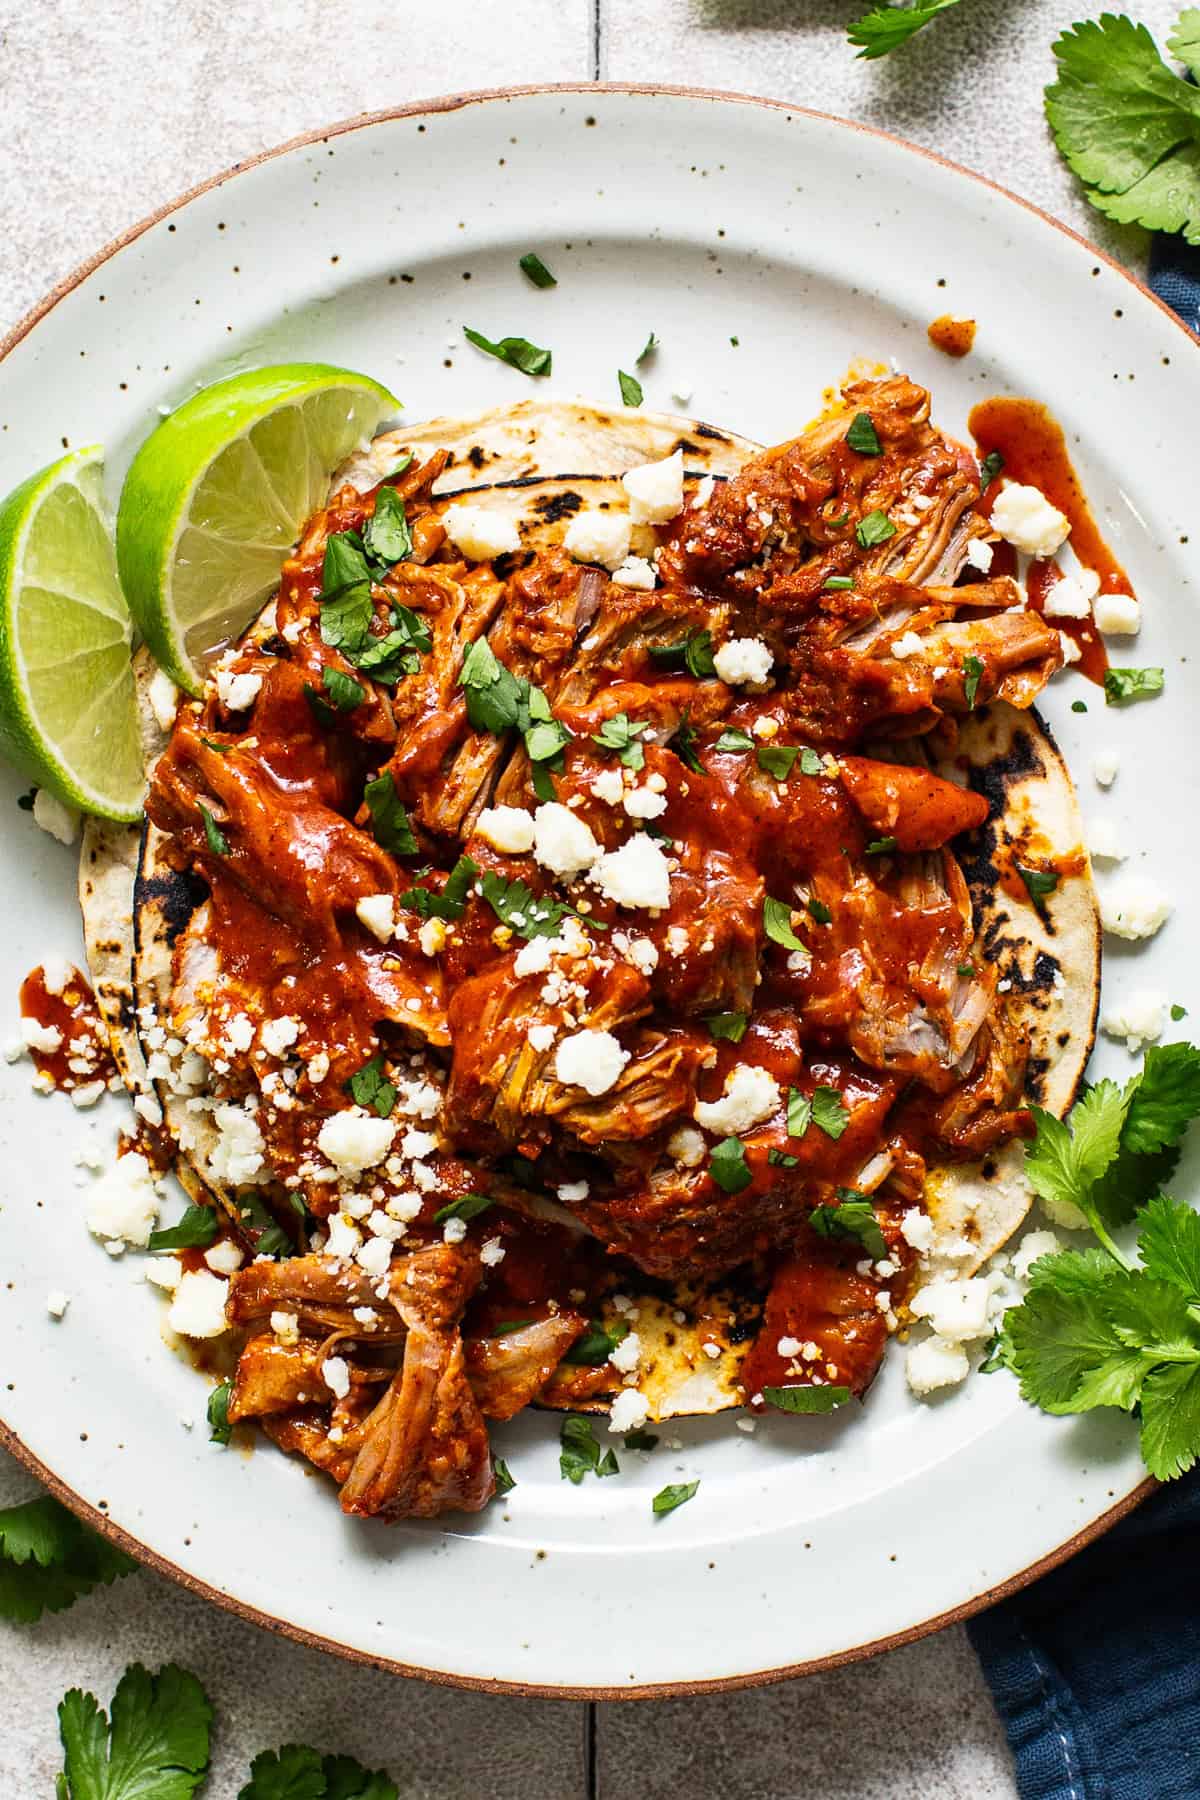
(729, 1025)
(875, 528)
(881, 846)
(853, 1216)
(829, 1113)
(694, 654)
(369, 1087)
(990, 468)
(533, 266)
(1124, 685)
(260, 1225)
(641, 1440)
(728, 1167)
(803, 1398)
(195, 1230)
(818, 911)
(343, 690)
(624, 735)
(777, 923)
(647, 349)
(597, 1344)
(799, 1113)
(684, 746)
(631, 388)
(732, 741)
(1178, 1012)
(214, 837)
(216, 1414)
(451, 902)
(517, 352)
(837, 584)
(579, 1453)
(505, 1481)
(972, 670)
(1079, 706)
(777, 759)
(810, 762)
(781, 1159)
(863, 437)
(1038, 882)
(678, 1493)
(386, 536)
(389, 821)
(516, 906)
(345, 597)
(467, 1206)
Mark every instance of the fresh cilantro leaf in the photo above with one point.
(517, 352)
(467, 1206)
(990, 469)
(542, 781)
(1129, 1182)
(862, 435)
(851, 1218)
(597, 1344)
(1079, 706)
(996, 1354)
(972, 670)
(516, 906)
(874, 528)
(684, 746)
(880, 846)
(261, 1225)
(1062, 1343)
(1178, 1012)
(677, 1493)
(799, 1113)
(829, 1111)
(343, 690)
(533, 266)
(1170, 1406)
(294, 1772)
(579, 1453)
(370, 1088)
(451, 902)
(884, 29)
(398, 652)
(1165, 1099)
(781, 1160)
(694, 653)
(495, 696)
(49, 1559)
(155, 1748)
(214, 837)
(1124, 685)
(346, 1779)
(386, 536)
(631, 388)
(345, 597)
(801, 1397)
(623, 734)
(728, 1025)
(1169, 1245)
(389, 821)
(733, 741)
(837, 584)
(1064, 1160)
(194, 1231)
(217, 1414)
(1038, 882)
(212, 744)
(647, 349)
(1127, 125)
(777, 923)
(1184, 41)
(819, 912)
(810, 763)
(728, 1167)
(777, 759)
(545, 739)
(641, 1440)
(505, 1482)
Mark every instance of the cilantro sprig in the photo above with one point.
(1098, 1328)
(885, 28)
(49, 1559)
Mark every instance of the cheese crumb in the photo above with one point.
(609, 787)
(278, 1035)
(592, 1060)
(572, 1192)
(1025, 519)
(916, 1228)
(751, 1095)
(979, 554)
(238, 1152)
(935, 1364)
(508, 829)
(224, 1257)
(335, 1372)
(480, 532)
(630, 1410)
(956, 1309)
(562, 842)
(36, 1036)
(1118, 615)
(627, 1353)
(636, 874)
(238, 692)
(57, 1303)
(598, 537)
(1071, 598)
(286, 1326)
(1036, 1244)
(541, 1037)
(1139, 1018)
(534, 958)
(57, 820)
(57, 973)
(635, 572)
(353, 1140)
(1105, 766)
(1103, 841)
(744, 662)
(907, 645)
(655, 490)
(432, 936)
(644, 803)
(123, 1204)
(378, 913)
(687, 1147)
(1136, 909)
(198, 1308)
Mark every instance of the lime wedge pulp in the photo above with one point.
(67, 711)
(216, 497)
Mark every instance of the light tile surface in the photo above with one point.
(112, 107)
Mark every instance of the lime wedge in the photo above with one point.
(67, 712)
(216, 497)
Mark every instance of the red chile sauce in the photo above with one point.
(1035, 452)
(73, 1013)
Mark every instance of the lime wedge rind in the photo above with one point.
(216, 497)
(67, 708)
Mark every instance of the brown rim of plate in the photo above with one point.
(315, 1640)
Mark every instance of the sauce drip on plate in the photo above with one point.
(1035, 451)
(82, 1055)
(953, 337)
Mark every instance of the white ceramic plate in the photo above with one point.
(766, 248)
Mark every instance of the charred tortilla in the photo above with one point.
(1046, 951)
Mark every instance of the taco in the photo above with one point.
(597, 939)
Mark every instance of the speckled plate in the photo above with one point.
(766, 247)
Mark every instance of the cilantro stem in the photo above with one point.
(1101, 1230)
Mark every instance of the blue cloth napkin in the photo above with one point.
(1095, 1669)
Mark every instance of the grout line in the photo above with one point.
(597, 31)
(591, 1774)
